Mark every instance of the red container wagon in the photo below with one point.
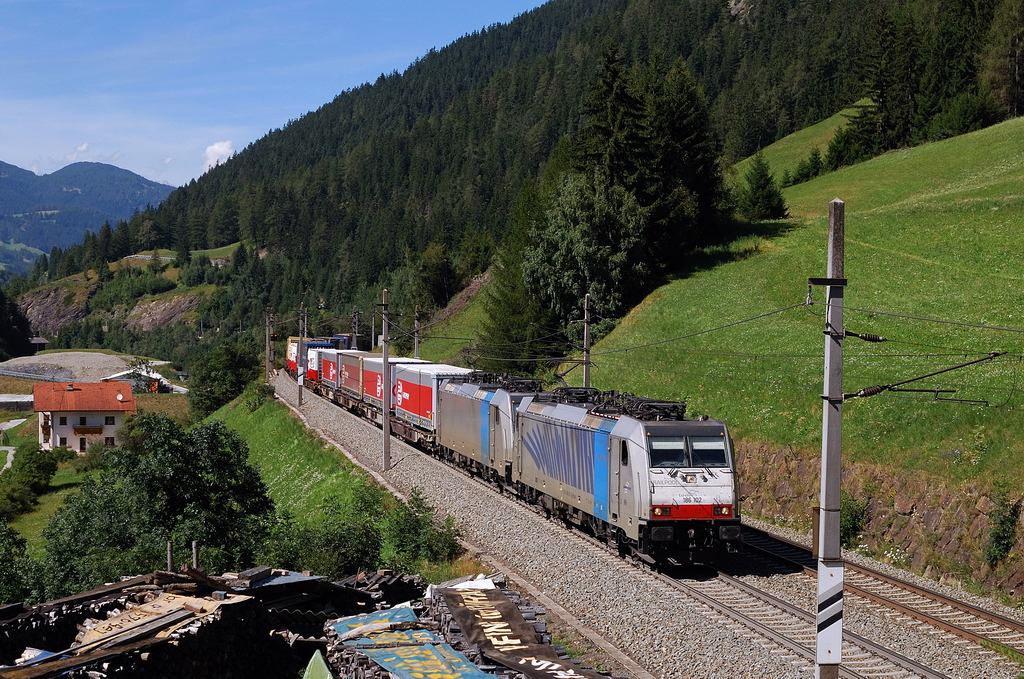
(329, 369)
(350, 367)
(373, 377)
(312, 351)
(416, 391)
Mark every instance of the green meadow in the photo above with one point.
(935, 232)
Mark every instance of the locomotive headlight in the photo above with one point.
(690, 478)
(723, 510)
(661, 511)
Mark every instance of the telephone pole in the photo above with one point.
(270, 334)
(830, 558)
(586, 340)
(386, 379)
(300, 354)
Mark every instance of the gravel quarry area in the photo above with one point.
(67, 366)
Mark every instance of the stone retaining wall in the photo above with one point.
(914, 520)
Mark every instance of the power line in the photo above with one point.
(925, 318)
(701, 332)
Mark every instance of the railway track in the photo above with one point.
(966, 621)
(783, 630)
(793, 628)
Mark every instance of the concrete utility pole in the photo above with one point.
(300, 353)
(830, 559)
(355, 327)
(267, 350)
(386, 378)
(586, 340)
(416, 335)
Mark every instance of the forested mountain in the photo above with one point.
(409, 181)
(58, 208)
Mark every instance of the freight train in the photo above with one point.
(634, 472)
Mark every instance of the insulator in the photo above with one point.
(871, 391)
(867, 337)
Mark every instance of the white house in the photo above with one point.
(75, 414)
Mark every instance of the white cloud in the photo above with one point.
(167, 160)
(80, 149)
(217, 154)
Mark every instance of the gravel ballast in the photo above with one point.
(666, 634)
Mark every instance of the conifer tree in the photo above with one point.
(517, 327)
(1003, 61)
(761, 198)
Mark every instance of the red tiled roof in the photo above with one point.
(83, 396)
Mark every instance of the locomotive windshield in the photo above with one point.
(688, 451)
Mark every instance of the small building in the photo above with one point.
(76, 414)
(38, 344)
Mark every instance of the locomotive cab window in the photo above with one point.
(624, 453)
(669, 451)
(688, 451)
(709, 451)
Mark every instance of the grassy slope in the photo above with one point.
(300, 470)
(786, 153)
(445, 341)
(934, 231)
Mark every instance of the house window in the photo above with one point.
(46, 438)
(108, 441)
(81, 420)
(63, 421)
(63, 441)
(108, 420)
(81, 444)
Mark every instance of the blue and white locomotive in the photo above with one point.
(635, 472)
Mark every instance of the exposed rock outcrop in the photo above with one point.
(162, 312)
(51, 307)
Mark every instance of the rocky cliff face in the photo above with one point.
(51, 307)
(914, 520)
(159, 313)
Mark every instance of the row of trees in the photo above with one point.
(120, 522)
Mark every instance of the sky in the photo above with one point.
(167, 89)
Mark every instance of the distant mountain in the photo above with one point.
(57, 209)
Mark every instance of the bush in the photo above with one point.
(853, 516)
(219, 375)
(411, 533)
(91, 460)
(255, 394)
(1002, 532)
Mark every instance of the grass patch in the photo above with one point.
(175, 405)
(216, 253)
(786, 153)
(15, 385)
(31, 525)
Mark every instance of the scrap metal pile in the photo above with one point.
(269, 622)
(472, 628)
(262, 622)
